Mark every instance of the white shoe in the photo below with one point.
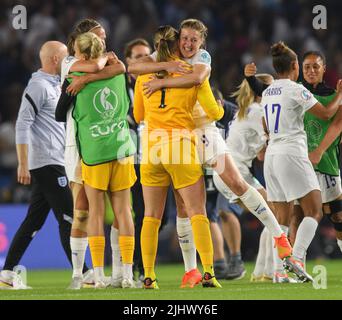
(76, 283)
(127, 283)
(140, 282)
(11, 280)
(116, 282)
(100, 284)
(88, 279)
(280, 277)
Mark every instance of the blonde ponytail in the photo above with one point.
(245, 96)
(90, 45)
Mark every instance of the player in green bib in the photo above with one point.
(106, 149)
(326, 162)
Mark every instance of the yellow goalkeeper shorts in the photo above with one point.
(114, 176)
(174, 161)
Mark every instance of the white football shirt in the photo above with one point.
(284, 104)
(247, 137)
(70, 139)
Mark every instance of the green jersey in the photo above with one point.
(100, 114)
(316, 129)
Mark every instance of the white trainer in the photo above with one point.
(127, 283)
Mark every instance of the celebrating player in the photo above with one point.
(101, 151)
(289, 174)
(162, 112)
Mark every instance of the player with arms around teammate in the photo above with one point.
(105, 146)
(163, 112)
(104, 67)
(289, 174)
(211, 147)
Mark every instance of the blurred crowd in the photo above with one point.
(239, 32)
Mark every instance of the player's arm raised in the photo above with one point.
(335, 130)
(147, 65)
(113, 68)
(199, 73)
(138, 104)
(327, 112)
(208, 102)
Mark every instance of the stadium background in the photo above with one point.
(239, 32)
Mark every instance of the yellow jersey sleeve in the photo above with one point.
(138, 103)
(208, 102)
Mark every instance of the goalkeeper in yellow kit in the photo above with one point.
(170, 155)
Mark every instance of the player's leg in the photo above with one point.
(37, 213)
(331, 189)
(95, 231)
(312, 208)
(117, 268)
(122, 178)
(295, 220)
(232, 233)
(283, 211)
(220, 265)
(251, 198)
(193, 197)
(79, 237)
(58, 194)
(258, 272)
(121, 205)
(335, 216)
(192, 275)
(138, 208)
(155, 199)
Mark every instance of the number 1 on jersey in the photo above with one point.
(276, 124)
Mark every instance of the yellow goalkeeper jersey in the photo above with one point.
(171, 108)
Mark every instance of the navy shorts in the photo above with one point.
(224, 205)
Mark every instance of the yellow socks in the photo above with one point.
(203, 241)
(96, 246)
(126, 244)
(149, 245)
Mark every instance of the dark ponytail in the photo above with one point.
(283, 57)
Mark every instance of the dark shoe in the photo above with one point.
(235, 271)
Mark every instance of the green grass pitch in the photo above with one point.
(51, 285)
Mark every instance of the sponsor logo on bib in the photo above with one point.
(105, 102)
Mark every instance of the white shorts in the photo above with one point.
(210, 144)
(330, 186)
(73, 167)
(288, 177)
(246, 174)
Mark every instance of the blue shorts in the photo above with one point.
(224, 205)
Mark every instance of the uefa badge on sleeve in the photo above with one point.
(62, 181)
(306, 95)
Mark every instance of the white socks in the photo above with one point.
(186, 243)
(99, 274)
(127, 271)
(339, 243)
(116, 255)
(269, 268)
(277, 262)
(305, 234)
(261, 257)
(256, 204)
(78, 250)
